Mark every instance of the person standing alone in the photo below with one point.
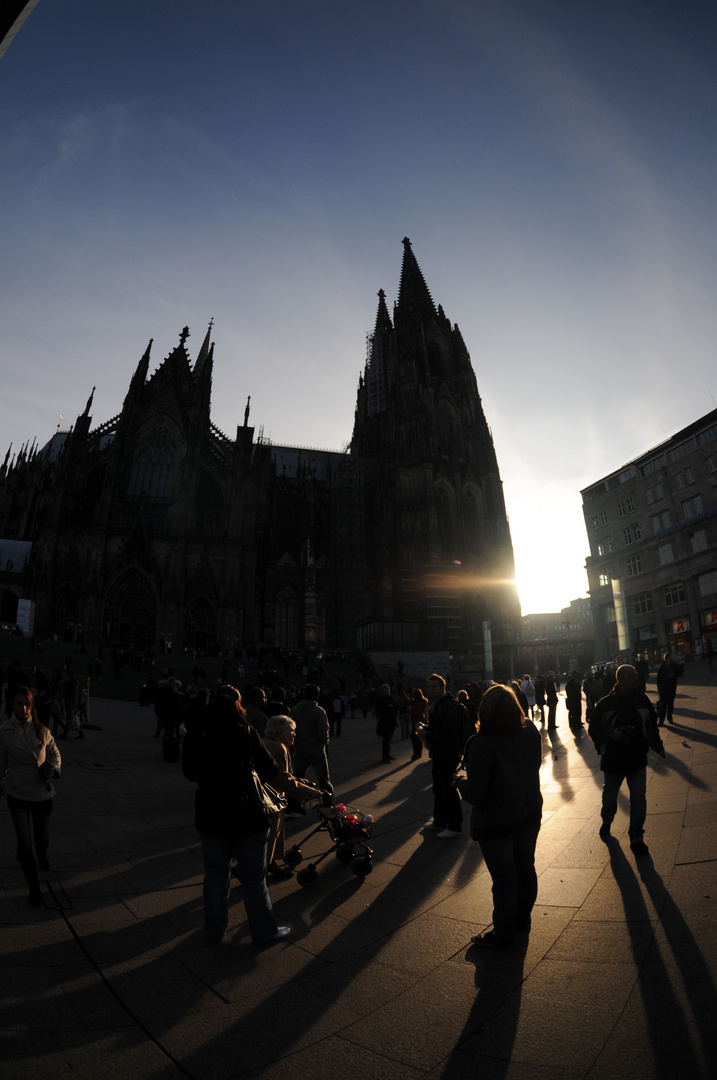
(447, 732)
(623, 728)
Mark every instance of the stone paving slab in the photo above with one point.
(114, 977)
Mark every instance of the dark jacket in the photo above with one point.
(214, 750)
(386, 713)
(667, 675)
(503, 781)
(449, 728)
(633, 715)
(312, 727)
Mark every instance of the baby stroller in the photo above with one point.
(347, 828)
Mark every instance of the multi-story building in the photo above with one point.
(652, 569)
(558, 640)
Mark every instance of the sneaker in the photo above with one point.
(605, 829)
(448, 834)
(431, 827)
(639, 847)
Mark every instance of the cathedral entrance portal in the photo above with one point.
(131, 612)
(200, 626)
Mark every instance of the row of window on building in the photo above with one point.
(691, 508)
(672, 596)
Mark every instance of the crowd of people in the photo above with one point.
(250, 754)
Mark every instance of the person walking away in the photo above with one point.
(623, 728)
(386, 714)
(29, 762)
(312, 738)
(551, 700)
(540, 696)
(503, 785)
(528, 688)
(668, 673)
(337, 714)
(574, 700)
(404, 713)
(219, 749)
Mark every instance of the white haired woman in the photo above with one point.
(278, 739)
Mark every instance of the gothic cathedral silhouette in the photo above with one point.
(157, 524)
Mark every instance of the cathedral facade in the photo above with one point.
(157, 526)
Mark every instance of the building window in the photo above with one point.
(681, 450)
(675, 594)
(665, 554)
(599, 519)
(632, 534)
(692, 507)
(626, 507)
(153, 468)
(609, 613)
(603, 580)
(626, 474)
(698, 541)
(654, 493)
(708, 435)
(660, 521)
(707, 583)
(712, 463)
(634, 565)
(652, 466)
(605, 546)
(682, 479)
(642, 603)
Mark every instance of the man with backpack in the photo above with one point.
(623, 727)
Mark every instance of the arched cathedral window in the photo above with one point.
(154, 467)
(286, 624)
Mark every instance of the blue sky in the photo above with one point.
(168, 162)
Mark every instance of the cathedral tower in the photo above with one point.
(439, 553)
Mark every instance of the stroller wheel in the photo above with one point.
(362, 866)
(307, 877)
(344, 854)
(293, 856)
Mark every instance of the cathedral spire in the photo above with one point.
(204, 351)
(413, 294)
(203, 382)
(140, 375)
(383, 319)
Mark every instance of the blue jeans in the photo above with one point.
(637, 786)
(511, 865)
(251, 864)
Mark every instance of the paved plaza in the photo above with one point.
(114, 977)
